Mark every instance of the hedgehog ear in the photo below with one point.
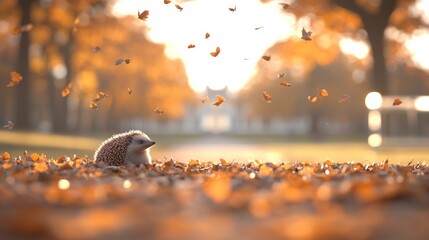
(129, 140)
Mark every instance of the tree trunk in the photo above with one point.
(379, 80)
(22, 96)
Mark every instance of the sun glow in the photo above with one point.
(243, 36)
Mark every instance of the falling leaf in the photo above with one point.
(100, 96)
(167, 1)
(76, 24)
(144, 15)
(286, 84)
(5, 156)
(214, 54)
(285, 5)
(127, 60)
(207, 35)
(219, 101)
(267, 97)
(306, 35)
(96, 50)
(178, 7)
(66, 90)
(15, 78)
(129, 91)
(281, 75)
(158, 111)
(9, 125)
(191, 46)
(204, 100)
(22, 28)
(266, 57)
(93, 105)
(257, 28)
(312, 99)
(233, 9)
(119, 61)
(343, 98)
(397, 102)
(323, 93)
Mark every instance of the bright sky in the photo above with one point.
(234, 32)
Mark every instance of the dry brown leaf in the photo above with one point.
(286, 84)
(323, 93)
(178, 7)
(96, 50)
(257, 28)
(214, 54)
(207, 35)
(100, 96)
(93, 105)
(219, 101)
(281, 75)
(397, 102)
(15, 78)
(9, 125)
(167, 1)
(66, 91)
(40, 166)
(306, 35)
(266, 57)
(343, 98)
(191, 46)
(158, 111)
(204, 100)
(127, 60)
(129, 91)
(285, 5)
(267, 97)
(144, 15)
(233, 9)
(312, 99)
(7, 165)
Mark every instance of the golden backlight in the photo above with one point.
(243, 36)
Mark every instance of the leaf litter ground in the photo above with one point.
(75, 198)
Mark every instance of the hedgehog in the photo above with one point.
(130, 147)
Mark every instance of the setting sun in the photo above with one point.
(243, 36)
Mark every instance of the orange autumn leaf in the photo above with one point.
(144, 15)
(158, 111)
(323, 93)
(191, 46)
(267, 97)
(66, 91)
(40, 166)
(93, 105)
(129, 91)
(306, 35)
(9, 125)
(397, 102)
(343, 98)
(100, 96)
(218, 189)
(312, 99)
(5, 156)
(34, 157)
(204, 100)
(207, 35)
(15, 78)
(178, 7)
(7, 165)
(286, 84)
(214, 54)
(167, 1)
(219, 101)
(266, 57)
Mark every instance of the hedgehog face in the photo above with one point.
(140, 142)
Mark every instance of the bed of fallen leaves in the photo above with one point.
(75, 198)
